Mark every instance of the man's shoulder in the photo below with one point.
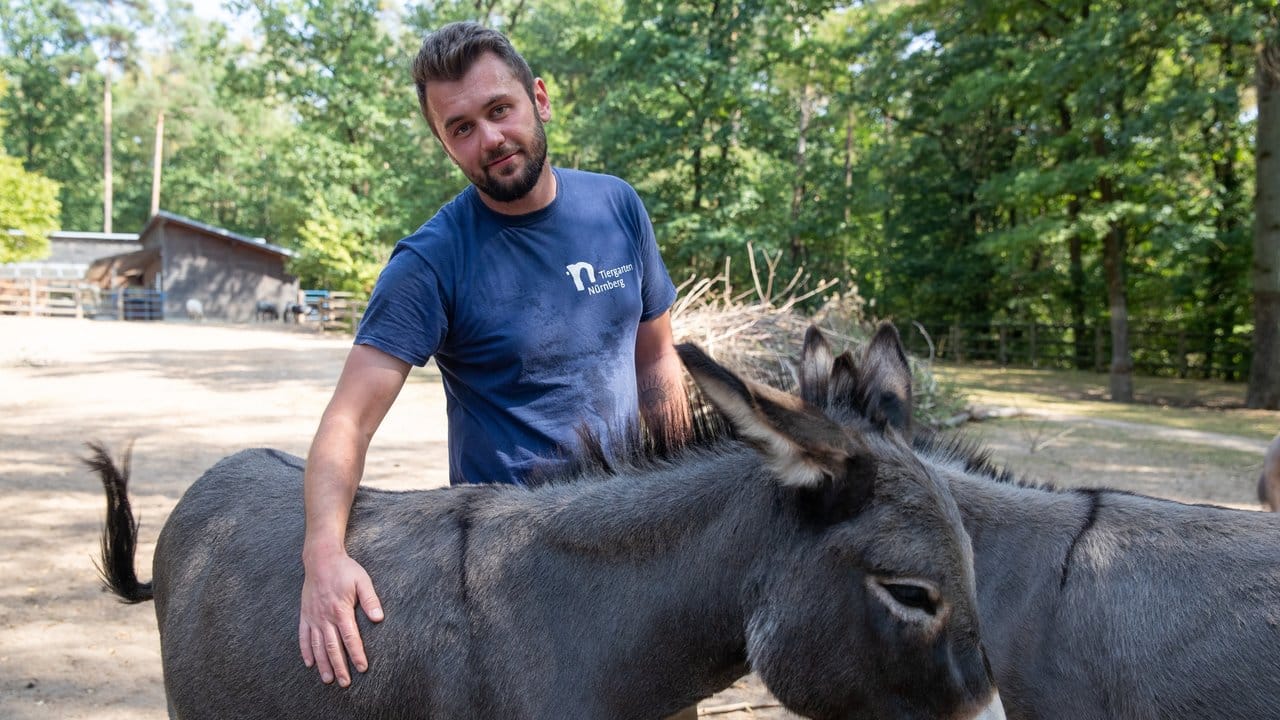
(454, 218)
(594, 181)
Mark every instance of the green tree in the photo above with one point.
(50, 112)
(29, 205)
(336, 250)
(695, 104)
(342, 73)
(1023, 181)
(114, 26)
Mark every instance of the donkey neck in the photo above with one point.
(1023, 537)
(664, 562)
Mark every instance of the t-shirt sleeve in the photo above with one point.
(406, 315)
(657, 292)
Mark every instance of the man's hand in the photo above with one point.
(334, 583)
(327, 631)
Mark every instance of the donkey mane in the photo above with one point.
(968, 451)
(636, 447)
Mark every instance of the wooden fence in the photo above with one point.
(40, 296)
(1163, 349)
(333, 310)
(329, 310)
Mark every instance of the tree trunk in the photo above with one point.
(157, 161)
(1075, 290)
(1117, 300)
(1264, 370)
(1113, 261)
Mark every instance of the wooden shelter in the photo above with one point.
(229, 274)
(127, 270)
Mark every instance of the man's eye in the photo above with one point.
(501, 110)
(461, 130)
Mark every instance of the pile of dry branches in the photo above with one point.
(759, 330)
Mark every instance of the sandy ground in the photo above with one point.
(190, 394)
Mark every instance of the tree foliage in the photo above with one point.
(1087, 163)
(28, 209)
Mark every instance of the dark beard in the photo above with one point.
(512, 189)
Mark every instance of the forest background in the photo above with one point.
(1089, 163)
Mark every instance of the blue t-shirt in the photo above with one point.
(532, 319)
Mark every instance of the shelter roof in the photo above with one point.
(164, 217)
(83, 235)
(116, 270)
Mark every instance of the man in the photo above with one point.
(540, 293)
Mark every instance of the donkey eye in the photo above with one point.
(912, 596)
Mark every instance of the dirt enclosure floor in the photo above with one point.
(190, 394)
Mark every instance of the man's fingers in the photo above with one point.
(355, 648)
(321, 655)
(337, 658)
(304, 644)
(327, 629)
(369, 601)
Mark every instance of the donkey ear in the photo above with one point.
(885, 381)
(838, 499)
(802, 446)
(815, 368)
(844, 381)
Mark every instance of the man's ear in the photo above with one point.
(541, 100)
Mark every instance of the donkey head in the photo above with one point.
(866, 607)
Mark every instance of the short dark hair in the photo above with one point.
(448, 53)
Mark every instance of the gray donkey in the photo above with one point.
(1095, 604)
(827, 558)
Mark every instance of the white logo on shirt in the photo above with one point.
(575, 271)
(611, 279)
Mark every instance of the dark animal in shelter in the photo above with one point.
(265, 311)
(827, 558)
(296, 311)
(1269, 479)
(1097, 604)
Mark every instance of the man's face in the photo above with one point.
(490, 129)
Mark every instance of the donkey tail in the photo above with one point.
(120, 534)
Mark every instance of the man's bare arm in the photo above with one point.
(334, 583)
(660, 379)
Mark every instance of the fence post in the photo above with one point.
(1004, 345)
(955, 342)
(31, 297)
